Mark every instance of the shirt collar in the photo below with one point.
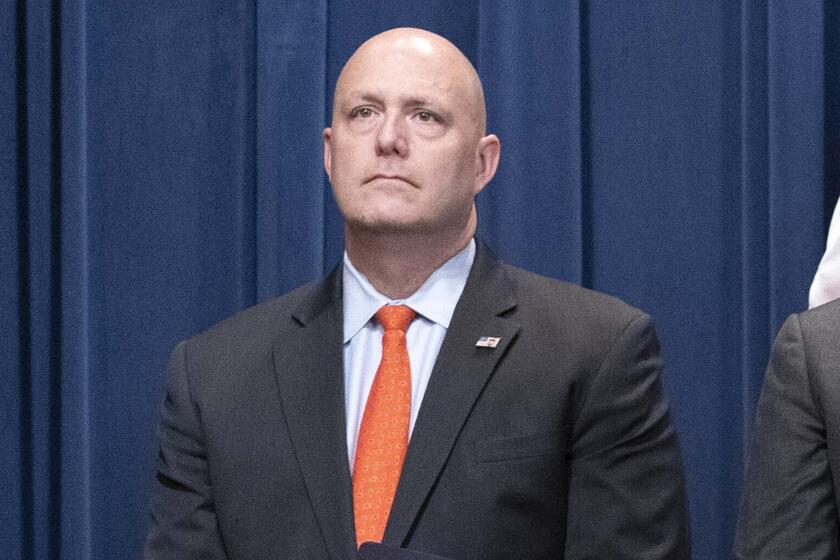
(435, 299)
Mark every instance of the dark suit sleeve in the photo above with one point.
(183, 521)
(788, 507)
(627, 494)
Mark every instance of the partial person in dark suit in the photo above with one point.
(789, 508)
(537, 424)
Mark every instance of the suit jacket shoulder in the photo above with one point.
(820, 328)
(789, 507)
(247, 337)
(583, 324)
(597, 313)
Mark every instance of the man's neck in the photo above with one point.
(397, 265)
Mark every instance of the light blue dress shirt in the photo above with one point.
(434, 302)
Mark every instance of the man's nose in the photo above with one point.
(391, 137)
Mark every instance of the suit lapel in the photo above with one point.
(308, 363)
(459, 375)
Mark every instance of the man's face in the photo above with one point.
(403, 151)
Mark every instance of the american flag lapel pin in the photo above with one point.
(488, 342)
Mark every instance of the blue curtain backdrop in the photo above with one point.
(160, 169)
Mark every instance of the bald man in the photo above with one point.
(423, 394)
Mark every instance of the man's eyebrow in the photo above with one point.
(418, 102)
(355, 97)
(411, 101)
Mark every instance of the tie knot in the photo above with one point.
(395, 317)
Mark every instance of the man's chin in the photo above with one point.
(387, 226)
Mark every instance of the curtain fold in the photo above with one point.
(52, 430)
(291, 78)
(529, 60)
(70, 368)
(14, 464)
(161, 169)
(795, 136)
(754, 263)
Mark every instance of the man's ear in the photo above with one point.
(328, 152)
(487, 160)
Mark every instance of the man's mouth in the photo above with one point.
(389, 177)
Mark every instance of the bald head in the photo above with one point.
(407, 153)
(408, 49)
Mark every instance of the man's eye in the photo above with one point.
(363, 112)
(426, 116)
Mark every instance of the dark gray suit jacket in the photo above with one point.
(558, 443)
(789, 508)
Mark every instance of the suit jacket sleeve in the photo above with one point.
(626, 489)
(788, 506)
(183, 520)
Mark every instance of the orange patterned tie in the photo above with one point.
(383, 434)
